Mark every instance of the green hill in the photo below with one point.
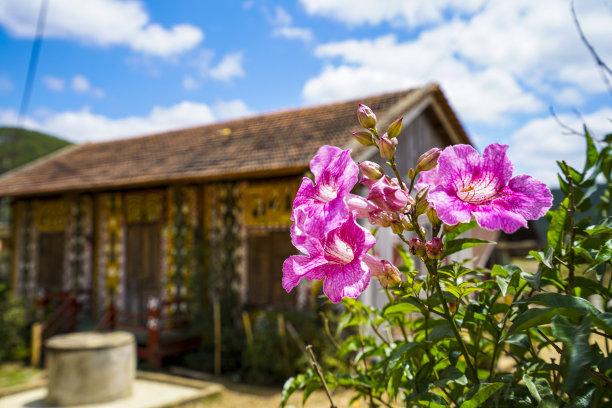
(20, 146)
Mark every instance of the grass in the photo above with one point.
(12, 374)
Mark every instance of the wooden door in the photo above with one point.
(142, 268)
(51, 261)
(267, 252)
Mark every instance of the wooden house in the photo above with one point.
(192, 213)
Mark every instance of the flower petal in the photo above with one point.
(457, 164)
(323, 218)
(451, 210)
(304, 243)
(530, 197)
(358, 238)
(494, 217)
(322, 159)
(349, 281)
(496, 166)
(341, 172)
(297, 267)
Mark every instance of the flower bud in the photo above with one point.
(406, 222)
(388, 195)
(380, 218)
(434, 248)
(396, 226)
(390, 276)
(417, 247)
(395, 128)
(371, 170)
(428, 160)
(421, 207)
(366, 117)
(365, 138)
(432, 215)
(387, 148)
(447, 229)
(411, 174)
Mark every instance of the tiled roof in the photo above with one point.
(280, 143)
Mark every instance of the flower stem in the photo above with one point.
(472, 373)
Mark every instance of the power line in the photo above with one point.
(27, 90)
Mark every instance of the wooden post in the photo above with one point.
(217, 323)
(248, 330)
(36, 344)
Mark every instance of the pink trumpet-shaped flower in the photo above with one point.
(322, 203)
(336, 257)
(483, 187)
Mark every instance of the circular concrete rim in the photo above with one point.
(89, 341)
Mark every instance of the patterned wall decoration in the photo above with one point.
(112, 262)
(26, 250)
(226, 241)
(268, 203)
(179, 241)
(80, 227)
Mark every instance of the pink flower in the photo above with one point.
(336, 257)
(322, 203)
(483, 187)
(388, 195)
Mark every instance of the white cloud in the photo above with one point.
(485, 95)
(397, 12)
(231, 109)
(84, 125)
(101, 23)
(228, 68)
(54, 83)
(536, 146)
(6, 85)
(80, 84)
(190, 83)
(495, 61)
(283, 27)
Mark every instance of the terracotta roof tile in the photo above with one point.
(280, 143)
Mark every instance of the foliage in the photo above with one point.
(452, 335)
(13, 327)
(20, 146)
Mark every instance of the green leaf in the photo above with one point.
(460, 230)
(451, 375)
(557, 224)
(603, 255)
(483, 394)
(539, 316)
(532, 388)
(577, 350)
(429, 399)
(460, 244)
(403, 306)
(561, 300)
(591, 151)
(309, 389)
(503, 284)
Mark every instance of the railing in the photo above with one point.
(158, 323)
(61, 319)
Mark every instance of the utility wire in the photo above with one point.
(27, 90)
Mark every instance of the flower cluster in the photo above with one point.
(454, 185)
(324, 229)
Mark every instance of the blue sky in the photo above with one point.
(110, 69)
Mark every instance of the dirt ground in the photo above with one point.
(248, 396)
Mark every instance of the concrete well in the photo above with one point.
(90, 367)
